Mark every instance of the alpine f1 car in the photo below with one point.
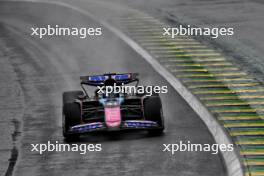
(110, 112)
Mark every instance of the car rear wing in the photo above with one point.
(120, 78)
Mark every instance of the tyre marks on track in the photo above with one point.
(13, 108)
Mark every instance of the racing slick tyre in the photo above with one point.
(71, 113)
(153, 112)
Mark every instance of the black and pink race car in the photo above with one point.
(110, 111)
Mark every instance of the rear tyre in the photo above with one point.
(153, 112)
(71, 113)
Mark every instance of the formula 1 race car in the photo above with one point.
(110, 111)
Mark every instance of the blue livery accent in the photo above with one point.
(87, 127)
(121, 77)
(120, 100)
(139, 124)
(97, 78)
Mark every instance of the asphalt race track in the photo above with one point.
(35, 72)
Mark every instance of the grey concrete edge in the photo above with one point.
(232, 159)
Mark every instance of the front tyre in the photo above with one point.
(72, 117)
(153, 112)
(71, 114)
